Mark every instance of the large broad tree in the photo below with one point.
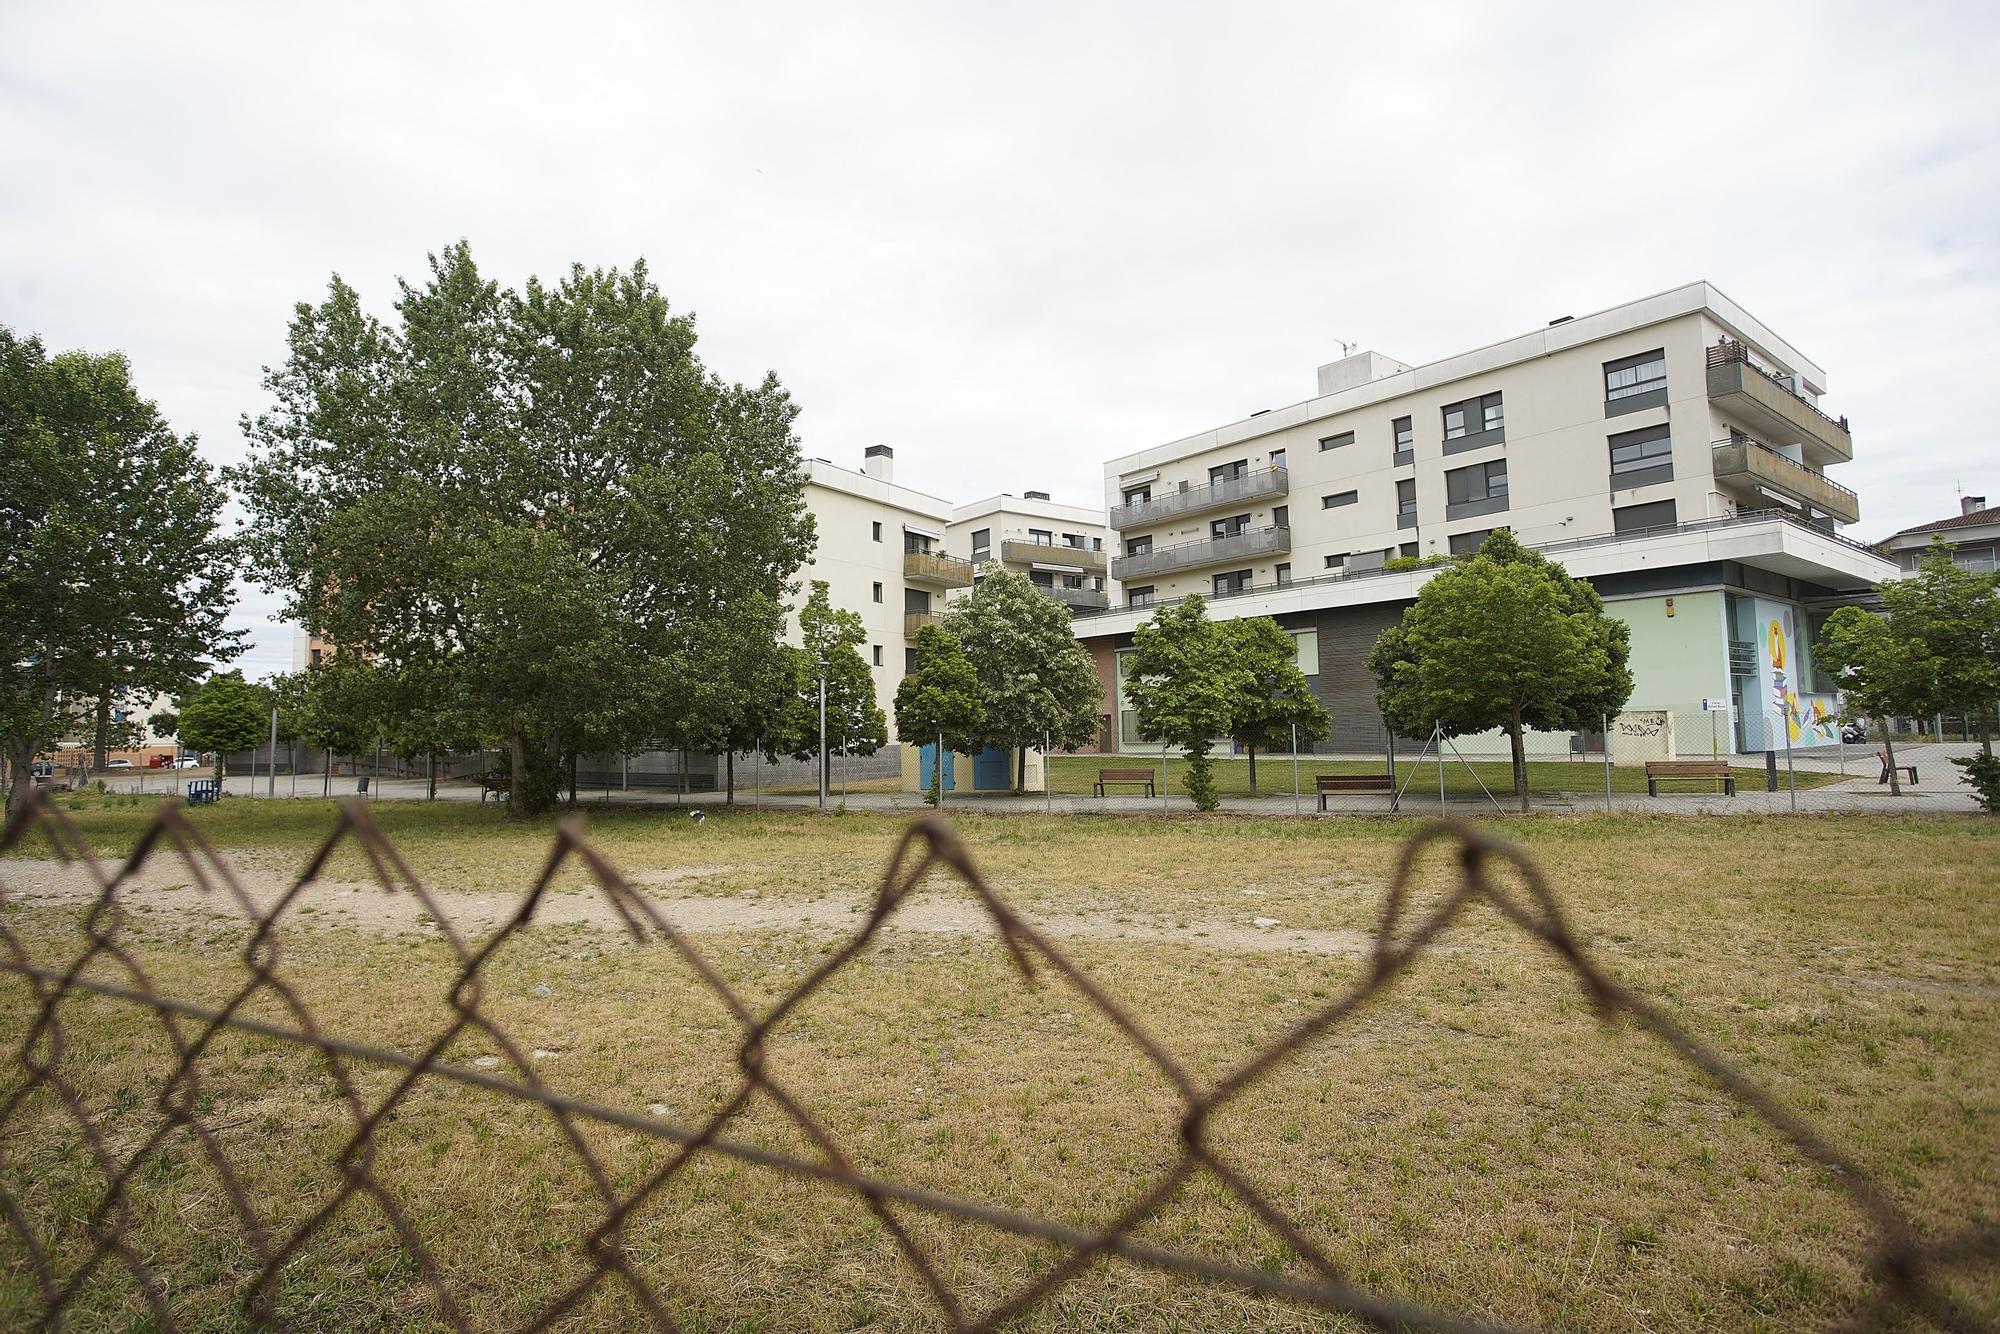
(1275, 705)
(938, 702)
(539, 505)
(1037, 684)
(1184, 682)
(114, 579)
(225, 713)
(1505, 641)
(1936, 650)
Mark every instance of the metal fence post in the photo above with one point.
(271, 779)
(1791, 775)
(1163, 778)
(1048, 778)
(1437, 735)
(1295, 768)
(1606, 721)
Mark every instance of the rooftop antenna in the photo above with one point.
(1346, 348)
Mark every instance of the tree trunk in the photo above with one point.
(517, 758)
(100, 735)
(1520, 750)
(1889, 754)
(432, 792)
(1021, 770)
(730, 764)
(20, 772)
(326, 782)
(1253, 769)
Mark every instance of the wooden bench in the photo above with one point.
(1689, 771)
(1883, 760)
(495, 783)
(1377, 785)
(204, 791)
(1130, 776)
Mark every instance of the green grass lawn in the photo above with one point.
(1473, 1140)
(1078, 773)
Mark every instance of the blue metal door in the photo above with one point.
(992, 770)
(927, 762)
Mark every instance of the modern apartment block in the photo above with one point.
(881, 551)
(1060, 548)
(1673, 450)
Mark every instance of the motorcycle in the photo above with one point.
(1854, 733)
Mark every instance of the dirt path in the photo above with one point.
(165, 891)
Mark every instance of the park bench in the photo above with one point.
(204, 791)
(1379, 785)
(1129, 776)
(495, 783)
(1688, 771)
(1882, 759)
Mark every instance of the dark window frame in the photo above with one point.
(1340, 500)
(1648, 465)
(1338, 441)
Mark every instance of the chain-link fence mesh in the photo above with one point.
(109, 1225)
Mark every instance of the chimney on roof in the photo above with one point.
(1971, 504)
(879, 462)
(1034, 495)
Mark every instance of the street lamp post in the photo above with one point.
(822, 734)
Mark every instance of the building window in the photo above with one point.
(1408, 549)
(1138, 546)
(1236, 581)
(878, 532)
(1074, 540)
(1277, 458)
(909, 661)
(1478, 421)
(1097, 544)
(1639, 518)
(1406, 496)
(1138, 495)
(1406, 435)
(1234, 526)
(1341, 441)
(1281, 516)
(1337, 562)
(1642, 457)
(1466, 544)
(1041, 578)
(1632, 377)
(1284, 573)
(982, 543)
(878, 655)
(878, 592)
(1339, 498)
(1479, 489)
(1041, 537)
(1139, 597)
(1228, 472)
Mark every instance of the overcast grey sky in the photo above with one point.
(1015, 240)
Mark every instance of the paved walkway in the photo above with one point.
(1941, 790)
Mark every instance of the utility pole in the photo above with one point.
(822, 734)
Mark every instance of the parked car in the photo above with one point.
(187, 762)
(118, 764)
(43, 769)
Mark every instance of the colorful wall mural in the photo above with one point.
(1803, 719)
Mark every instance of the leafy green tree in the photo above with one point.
(1036, 681)
(1505, 640)
(830, 642)
(114, 580)
(1184, 682)
(539, 507)
(1275, 697)
(939, 700)
(338, 707)
(1936, 650)
(749, 689)
(164, 724)
(225, 713)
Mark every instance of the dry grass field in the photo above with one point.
(1474, 1141)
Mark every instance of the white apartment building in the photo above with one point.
(1672, 449)
(881, 551)
(1060, 548)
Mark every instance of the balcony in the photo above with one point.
(1754, 466)
(1226, 494)
(1230, 550)
(936, 569)
(1019, 551)
(1078, 599)
(914, 621)
(1768, 405)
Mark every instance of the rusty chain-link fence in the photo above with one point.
(1906, 1272)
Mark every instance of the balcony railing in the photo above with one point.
(1740, 385)
(914, 621)
(1200, 499)
(1078, 599)
(934, 567)
(1019, 551)
(1740, 519)
(1228, 550)
(1755, 464)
